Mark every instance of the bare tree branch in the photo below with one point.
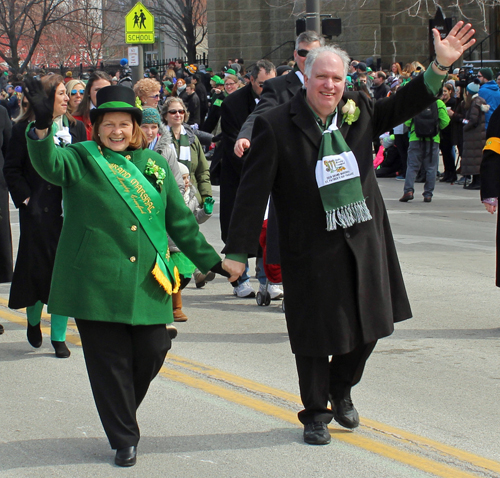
(183, 21)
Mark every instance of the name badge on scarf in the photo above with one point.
(337, 176)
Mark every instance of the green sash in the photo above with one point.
(146, 204)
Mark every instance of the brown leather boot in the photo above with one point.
(179, 316)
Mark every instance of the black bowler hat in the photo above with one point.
(116, 98)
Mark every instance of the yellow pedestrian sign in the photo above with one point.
(139, 25)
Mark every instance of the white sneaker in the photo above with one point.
(244, 290)
(274, 291)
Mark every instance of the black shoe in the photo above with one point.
(427, 198)
(344, 412)
(126, 456)
(34, 334)
(61, 349)
(474, 186)
(316, 433)
(1, 329)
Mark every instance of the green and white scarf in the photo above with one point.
(184, 148)
(337, 175)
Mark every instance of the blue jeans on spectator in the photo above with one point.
(261, 275)
(420, 153)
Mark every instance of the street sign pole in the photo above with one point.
(139, 29)
(138, 71)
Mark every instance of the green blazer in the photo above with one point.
(104, 259)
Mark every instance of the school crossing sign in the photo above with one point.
(139, 25)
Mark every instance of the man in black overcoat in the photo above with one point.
(5, 232)
(343, 286)
(234, 111)
(281, 89)
(490, 177)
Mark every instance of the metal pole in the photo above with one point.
(313, 16)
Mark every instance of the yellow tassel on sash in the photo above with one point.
(492, 144)
(160, 274)
(162, 279)
(177, 280)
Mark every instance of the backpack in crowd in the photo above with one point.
(426, 123)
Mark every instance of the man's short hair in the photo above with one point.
(265, 65)
(309, 36)
(313, 56)
(381, 74)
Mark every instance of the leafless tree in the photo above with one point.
(22, 24)
(85, 25)
(183, 21)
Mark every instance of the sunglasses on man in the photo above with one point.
(302, 53)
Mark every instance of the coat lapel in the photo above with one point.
(303, 117)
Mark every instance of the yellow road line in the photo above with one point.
(387, 451)
(386, 430)
(262, 406)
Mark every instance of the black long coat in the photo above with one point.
(474, 136)
(234, 111)
(40, 221)
(5, 232)
(276, 91)
(342, 287)
(490, 177)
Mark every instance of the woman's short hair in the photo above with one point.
(143, 88)
(166, 107)
(138, 140)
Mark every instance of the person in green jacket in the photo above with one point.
(424, 151)
(112, 270)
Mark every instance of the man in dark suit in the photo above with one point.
(281, 89)
(343, 285)
(234, 111)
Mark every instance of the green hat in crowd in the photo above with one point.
(231, 72)
(218, 80)
(151, 116)
(487, 73)
(209, 69)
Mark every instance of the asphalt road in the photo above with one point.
(225, 403)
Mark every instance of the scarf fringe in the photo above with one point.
(347, 216)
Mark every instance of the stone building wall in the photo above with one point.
(376, 29)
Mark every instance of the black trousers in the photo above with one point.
(320, 377)
(121, 360)
(402, 143)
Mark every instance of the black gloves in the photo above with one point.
(43, 105)
(219, 270)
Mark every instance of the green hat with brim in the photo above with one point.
(218, 80)
(115, 99)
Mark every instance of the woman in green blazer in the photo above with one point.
(112, 270)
